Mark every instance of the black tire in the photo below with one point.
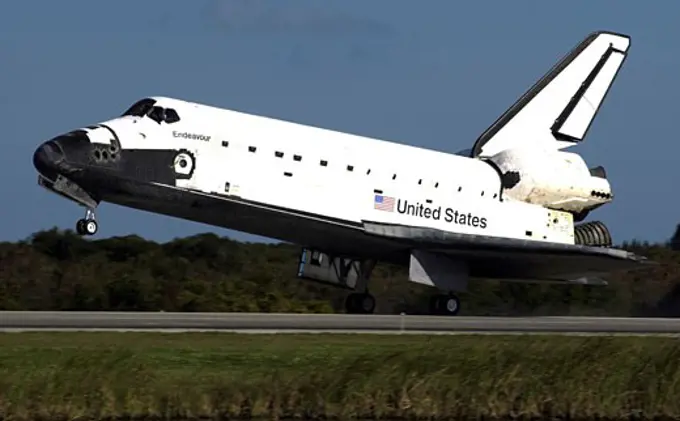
(86, 227)
(444, 305)
(450, 305)
(356, 303)
(80, 227)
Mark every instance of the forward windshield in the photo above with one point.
(141, 107)
(147, 108)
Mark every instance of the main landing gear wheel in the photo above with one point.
(87, 225)
(445, 305)
(357, 303)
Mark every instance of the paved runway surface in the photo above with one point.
(266, 323)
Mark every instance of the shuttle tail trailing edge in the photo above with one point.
(557, 111)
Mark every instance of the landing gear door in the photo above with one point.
(439, 271)
(321, 267)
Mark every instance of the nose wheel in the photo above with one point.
(87, 225)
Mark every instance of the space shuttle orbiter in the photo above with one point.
(507, 209)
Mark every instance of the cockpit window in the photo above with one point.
(157, 114)
(141, 107)
(171, 116)
(147, 108)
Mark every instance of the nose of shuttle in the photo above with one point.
(61, 154)
(48, 158)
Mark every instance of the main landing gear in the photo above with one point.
(353, 274)
(444, 304)
(362, 302)
(440, 304)
(88, 224)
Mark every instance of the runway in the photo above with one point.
(319, 323)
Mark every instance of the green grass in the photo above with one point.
(53, 376)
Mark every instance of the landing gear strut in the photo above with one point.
(87, 225)
(362, 302)
(444, 304)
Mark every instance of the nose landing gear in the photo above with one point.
(87, 225)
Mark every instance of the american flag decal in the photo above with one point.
(383, 203)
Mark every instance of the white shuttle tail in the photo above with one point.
(558, 110)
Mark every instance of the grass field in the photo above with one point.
(73, 376)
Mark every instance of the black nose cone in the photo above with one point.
(47, 159)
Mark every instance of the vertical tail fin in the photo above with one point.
(559, 109)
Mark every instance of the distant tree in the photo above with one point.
(675, 239)
(59, 270)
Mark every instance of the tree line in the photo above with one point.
(59, 270)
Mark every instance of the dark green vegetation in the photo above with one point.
(59, 376)
(56, 270)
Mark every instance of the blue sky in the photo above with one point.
(430, 73)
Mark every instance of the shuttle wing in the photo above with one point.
(513, 259)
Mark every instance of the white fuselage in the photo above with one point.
(338, 175)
